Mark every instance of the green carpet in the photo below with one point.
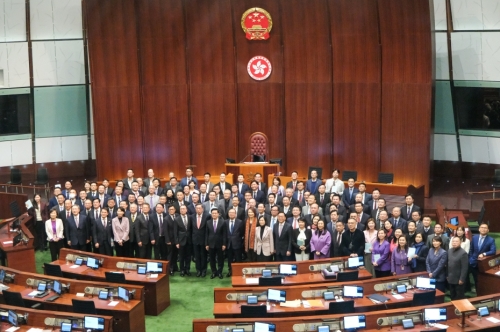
(191, 298)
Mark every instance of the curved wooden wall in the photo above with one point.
(351, 86)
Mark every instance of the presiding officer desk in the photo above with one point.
(386, 320)
(50, 320)
(127, 316)
(308, 272)
(157, 290)
(228, 301)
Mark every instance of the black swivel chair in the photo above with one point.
(253, 311)
(42, 179)
(16, 299)
(347, 276)
(52, 270)
(385, 177)
(84, 307)
(117, 278)
(496, 178)
(424, 298)
(346, 175)
(346, 307)
(16, 178)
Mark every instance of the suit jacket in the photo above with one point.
(446, 241)
(243, 188)
(154, 226)
(131, 228)
(295, 197)
(267, 218)
(259, 197)
(404, 211)
(357, 240)
(156, 199)
(227, 185)
(125, 183)
(102, 233)
(282, 243)
(220, 207)
(78, 235)
(366, 209)
(182, 233)
(59, 229)
(226, 205)
(305, 210)
(240, 213)
(191, 209)
(169, 228)
(263, 187)
(349, 200)
(268, 208)
(210, 186)
(218, 237)
(336, 247)
(104, 201)
(402, 223)
(185, 182)
(142, 229)
(121, 231)
(421, 229)
(290, 184)
(198, 234)
(326, 200)
(367, 197)
(112, 214)
(310, 185)
(264, 244)
(288, 213)
(175, 190)
(52, 203)
(235, 239)
(488, 247)
(92, 195)
(178, 206)
(307, 242)
(370, 204)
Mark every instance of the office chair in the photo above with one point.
(346, 307)
(42, 179)
(346, 175)
(16, 178)
(117, 278)
(52, 270)
(424, 298)
(16, 299)
(347, 276)
(258, 145)
(385, 178)
(84, 307)
(253, 311)
(273, 281)
(496, 178)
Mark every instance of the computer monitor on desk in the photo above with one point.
(12, 318)
(276, 295)
(354, 323)
(433, 315)
(353, 291)
(92, 263)
(123, 294)
(355, 262)
(93, 323)
(426, 283)
(56, 287)
(264, 327)
(154, 267)
(288, 269)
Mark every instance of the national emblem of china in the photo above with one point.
(259, 68)
(257, 23)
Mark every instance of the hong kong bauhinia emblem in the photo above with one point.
(257, 24)
(259, 68)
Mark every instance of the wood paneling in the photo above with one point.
(356, 89)
(406, 90)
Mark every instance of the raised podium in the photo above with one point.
(250, 169)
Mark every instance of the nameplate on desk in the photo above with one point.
(252, 281)
(7, 242)
(243, 296)
(313, 326)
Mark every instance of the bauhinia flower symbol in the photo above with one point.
(259, 68)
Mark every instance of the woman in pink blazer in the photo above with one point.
(264, 243)
(121, 229)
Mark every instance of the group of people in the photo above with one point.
(206, 222)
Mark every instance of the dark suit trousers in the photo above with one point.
(145, 251)
(185, 257)
(233, 254)
(82, 247)
(282, 258)
(200, 256)
(219, 254)
(172, 254)
(104, 249)
(123, 250)
(160, 249)
(133, 250)
(457, 292)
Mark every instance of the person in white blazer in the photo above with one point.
(55, 233)
(264, 243)
(121, 230)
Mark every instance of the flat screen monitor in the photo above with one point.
(12, 317)
(123, 294)
(57, 287)
(42, 287)
(258, 158)
(407, 323)
(141, 269)
(92, 263)
(266, 273)
(354, 262)
(252, 299)
(276, 295)
(483, 311)
(66, 327)
(352, 323)
(288, 269)
(154, 267)
(426, 283)
(323, 328)
(328, 296)
(78, 261)
(454, 221)
(2, 275)
(353, 291)
(401, 289)
(434, 314)
(93, 323)
(103, 295)
(264, 327)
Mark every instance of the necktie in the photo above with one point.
(146, 216)
(281, 228)
(104, 222)
(215, 226)
(102, 201)
(77, 222)
(151, 201)
(375, 205)
(198, 223)
(350, 193)
(293, 186)
(358, 219)
(272, 223)
(67, 214)
(232, 226)
(294, 223)
(246, 206)
(376, 216)
(396, 223)
(160, 221)
(300, 197)
(321, 200)
(481, 240)
(133, 218)
(254, 194)
(110, 212)
(408, 213)
(96, 215)
(338, 238)
(185, 222)
(118, 200)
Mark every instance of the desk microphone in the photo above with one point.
(245, 157)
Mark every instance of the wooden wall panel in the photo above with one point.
(356, 89)
(112, 42)
(164, 90)
(405, 31)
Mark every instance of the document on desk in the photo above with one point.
(290, 304)
(398, 297)
(315, 304)
(74, 266)
(12, 329)
(8, 242)
(80, 294)
(252, 281)
(493, 320)
(2, 287)
(440, 326)
(35, 329)
(112, 303)
(33, 293)
(153, 276)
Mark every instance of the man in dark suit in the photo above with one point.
(65, 214)
(337, 233)
(149, 179)
(235, 234)
(142, 232)
(93, 216)
(53, 201)
(103, 197)
(67, 188)
(191, 207)
(189, 177)
(271, 198)
(107, 189)
(397, 221)
(349, 194)
(425, 228)
(132, 218)
(358, 199)
(198, 233)
(112, 208)
(293, 184)
(78, 231)
(257, 194)
(215, 242)
(242, 186)
(81, 199)
(93, 193)
(365, 197)
(159, 237)
(313, 183)
(118, 195)
(373, 202)
(482, 245)
(261, 185)
(127, 182)
(341, 210)
(282, 234)
(361, 216)
(182, 240)
(172, 251)
(299, 194)
(173, 185)
(380, 207)
(261, 212)
(407, 209)
(287, 207)
(240, 212)
(225, 202)
(353, 240)
(102, 234)
(294, 219)
(223, 184)
(322, 198)
(135, 190)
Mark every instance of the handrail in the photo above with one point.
(481, 192)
